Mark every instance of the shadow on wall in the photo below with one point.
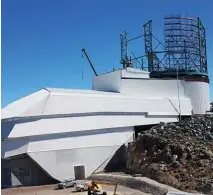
(7, 128)
(118, 161)
(22, 171)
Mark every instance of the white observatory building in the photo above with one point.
(53, 134)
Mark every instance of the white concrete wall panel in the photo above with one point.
(23, 129)
(73, 102)
(74, 124)
(108, 137)
(60, 164)
(198, 92)
(152, 88)
(183, 106)
(47, 161)
(58, 154)
(84, 104)
(36, 109)
(111, 81)
(24, 104)
(108, 82)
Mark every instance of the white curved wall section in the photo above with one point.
(198, 92)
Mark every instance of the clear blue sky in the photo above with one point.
(42, 39)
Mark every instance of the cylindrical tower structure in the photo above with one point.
(185, 59)
(185, 48)
(185, 45)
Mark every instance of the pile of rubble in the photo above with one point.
(180, 155)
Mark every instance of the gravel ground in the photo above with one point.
(52, 190)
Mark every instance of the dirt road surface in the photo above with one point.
(52, 190)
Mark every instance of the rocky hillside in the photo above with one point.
(180, 155)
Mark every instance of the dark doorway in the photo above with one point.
(79, 172)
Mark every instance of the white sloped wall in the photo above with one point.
(59, 156)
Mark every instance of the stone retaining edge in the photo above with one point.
(142, 184)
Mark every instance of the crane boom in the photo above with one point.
(84, 51)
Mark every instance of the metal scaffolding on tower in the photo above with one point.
(184, 48)
(185, 44)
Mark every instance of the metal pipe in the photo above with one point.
(84, 51)
(178, 96)
(116, 185)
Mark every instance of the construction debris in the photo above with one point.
(180, 155)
